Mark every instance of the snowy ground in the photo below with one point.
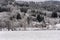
(33, 29)
(30, 35)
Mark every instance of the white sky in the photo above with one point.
(37, 0)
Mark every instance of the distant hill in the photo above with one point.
(3, 2)
(47, 5)
(52, 2)
(50, 5)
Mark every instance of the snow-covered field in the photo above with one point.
(30, 35)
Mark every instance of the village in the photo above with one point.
(25, 16)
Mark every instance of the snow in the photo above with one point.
(57, 26)
(30, 35)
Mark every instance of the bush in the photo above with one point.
(18, 16)
(39, 18)
(54, 15)
(33, 15)
(24, 10)
(2, 24)
(5, 24)
(33, 11)
(2, 9)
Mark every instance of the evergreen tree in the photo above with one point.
(54, 14)
(18, 16)
(23, 10)
(39, 18)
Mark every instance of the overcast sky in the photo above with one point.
(37, 0)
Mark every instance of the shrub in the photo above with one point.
(39, 18)
(2, 9)
(33, 11)
(54, 15)
(24, 10)
(18, 16)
